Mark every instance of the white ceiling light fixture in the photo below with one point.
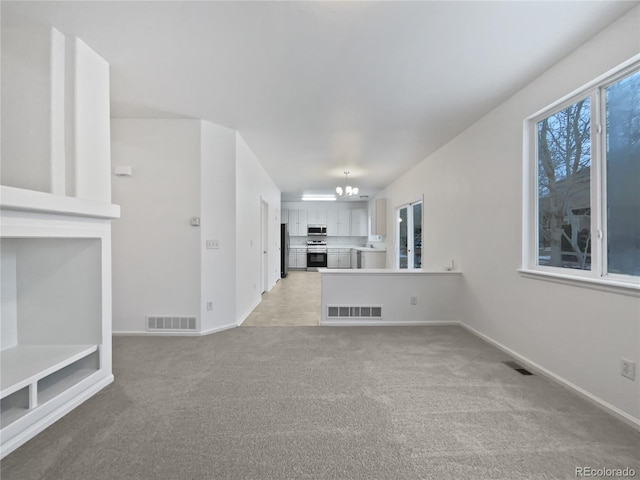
(348, 190)
(318, 198)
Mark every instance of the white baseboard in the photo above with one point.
(142, 333)
(172, 333)
(248, 312)
(606, 406)
(384, 323)
(218, 329)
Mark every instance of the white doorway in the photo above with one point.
(409, 235)
(264, 244)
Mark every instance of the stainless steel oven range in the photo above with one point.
(316, 254)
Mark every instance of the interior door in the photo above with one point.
(264, 242)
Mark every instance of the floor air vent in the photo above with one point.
(517, 367)
(171, 323)
(344, 311)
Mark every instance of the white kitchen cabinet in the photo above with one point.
(297, 258)
(297, 223)
(379, 216)
(339, 258)
(359, 222)
(284, 216)
(339, 222)
(344, 223)
(316, 216)
(293, 222)
(344, 258)
(301, 259)
(373, 259)
(344, 219)
(332, 222)
(302, 223)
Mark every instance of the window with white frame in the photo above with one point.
(582, 182)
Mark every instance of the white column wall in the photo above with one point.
(156, 251)
(253, 184)
(26, 98)
(9, 295)
(473, 213)
(91, 122)
(217, 222)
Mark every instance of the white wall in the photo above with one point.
(9, 295)
(217, 207)
(91, 118)
(472, 212)
(26, 97)
(436, 296)
(156, 252)
(253, 184)
(161, 266)
(55, 114)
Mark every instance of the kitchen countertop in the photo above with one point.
(386, 271)
(350, 247)
(357, 247)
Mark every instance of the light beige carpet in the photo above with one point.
(293, 302)
(330, 403)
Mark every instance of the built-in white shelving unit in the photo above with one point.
(55, 229)
(56, 308)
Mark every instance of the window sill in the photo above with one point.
(611, 286)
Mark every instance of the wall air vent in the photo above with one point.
(161, 323)
(348, 311)
(517, 367)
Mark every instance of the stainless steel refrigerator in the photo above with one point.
(284, 250)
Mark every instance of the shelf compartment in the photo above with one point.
(26, 364)
(63, 379)
(14, 406)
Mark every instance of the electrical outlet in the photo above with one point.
(213, 244)
(209, 306)
(414, 300)
(628, 369)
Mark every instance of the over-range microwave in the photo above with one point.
(317, 230)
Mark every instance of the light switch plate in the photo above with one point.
(213, 244)
(628, 369)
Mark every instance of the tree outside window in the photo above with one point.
(564, 192)
(588, 181)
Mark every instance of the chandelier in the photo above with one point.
(348, 190)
